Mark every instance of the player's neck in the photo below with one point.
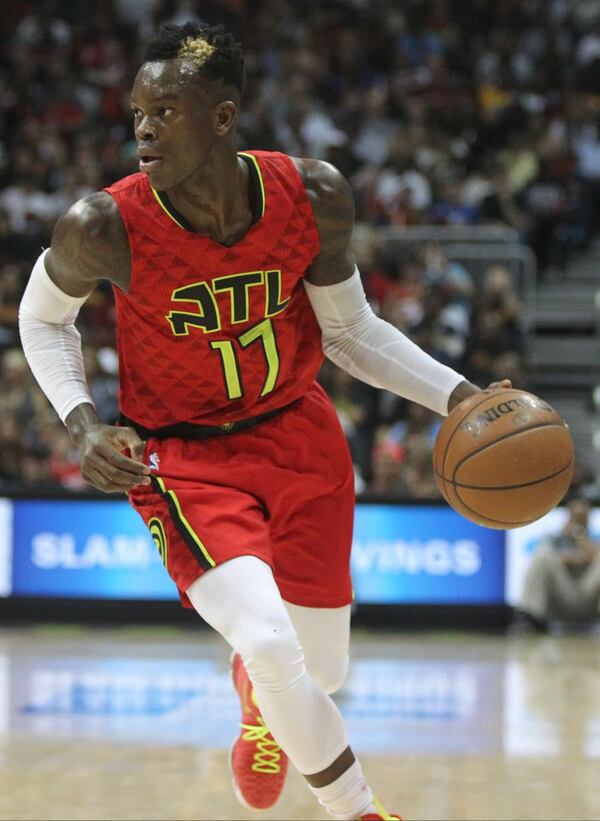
(215, 201)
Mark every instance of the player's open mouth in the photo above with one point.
(148, 162)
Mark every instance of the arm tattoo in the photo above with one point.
(333, 207)
(89, 244)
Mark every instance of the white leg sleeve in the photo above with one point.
(241, 600)
(324, 634)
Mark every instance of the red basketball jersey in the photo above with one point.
(208, 333)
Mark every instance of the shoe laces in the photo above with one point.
(383, 814)
(268, 752)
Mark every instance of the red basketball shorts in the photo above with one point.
(282, 491)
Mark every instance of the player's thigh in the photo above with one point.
(305, 477)
(324, 634)
(198, 526)
(311, 532)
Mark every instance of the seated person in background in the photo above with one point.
(563, 579)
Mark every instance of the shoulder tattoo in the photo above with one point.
(332, 202)
(89, 242)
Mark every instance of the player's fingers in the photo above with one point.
(502, 385)
(123, 471)
(101, 482)
(110, 480)
(126, 479)
(116, 459)
(129, 438)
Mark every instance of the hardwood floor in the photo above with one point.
(136, 723)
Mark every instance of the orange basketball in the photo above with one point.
(503, 458)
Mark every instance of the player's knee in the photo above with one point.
(329, 671)
(273, 658)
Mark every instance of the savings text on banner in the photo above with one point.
(401, 554)
(423, 554)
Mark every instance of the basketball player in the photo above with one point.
(232, 274)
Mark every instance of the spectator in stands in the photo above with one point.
(451, 207)
(584, 127)
(404, 453)
(555, 202)
(63, 462)
(16, 385)
(447, 305)
(101, 368)
(387, 458)
(401, 191)
(402, 301)
(563, 580)
(11, 448)
(14, 246)
(497, 328)
(356, 405)
(500, 206)
(29, 208)
(12, 279)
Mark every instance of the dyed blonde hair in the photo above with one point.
(197, 49)
(212, 52)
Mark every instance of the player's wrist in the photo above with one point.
(80, 421)
(461, 392)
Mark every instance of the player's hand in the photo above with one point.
(103, 463)
(465, 389)
(503, 384)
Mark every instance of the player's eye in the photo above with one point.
(163, 112)
(135, 112)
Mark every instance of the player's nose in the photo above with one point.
(145, 129)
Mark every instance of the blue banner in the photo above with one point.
(425, 555)
(85, 550)
(401, 554)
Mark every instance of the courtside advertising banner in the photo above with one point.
(85, 549)
(5, 547)
(425, 555)
(401, 554)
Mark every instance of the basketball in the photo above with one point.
(503, 458)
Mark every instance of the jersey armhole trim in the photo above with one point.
(259, 178)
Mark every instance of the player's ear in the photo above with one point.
(225, 117)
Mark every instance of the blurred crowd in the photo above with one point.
(439, 112)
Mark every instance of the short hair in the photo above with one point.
(215, 53)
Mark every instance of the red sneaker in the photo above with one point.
(381, 815)
(258, 763)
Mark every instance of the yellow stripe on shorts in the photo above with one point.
(184, 528)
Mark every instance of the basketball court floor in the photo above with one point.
(135, 723)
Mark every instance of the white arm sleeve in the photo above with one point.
(51, 342)
(375, 351)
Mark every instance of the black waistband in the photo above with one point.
(188, 430)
